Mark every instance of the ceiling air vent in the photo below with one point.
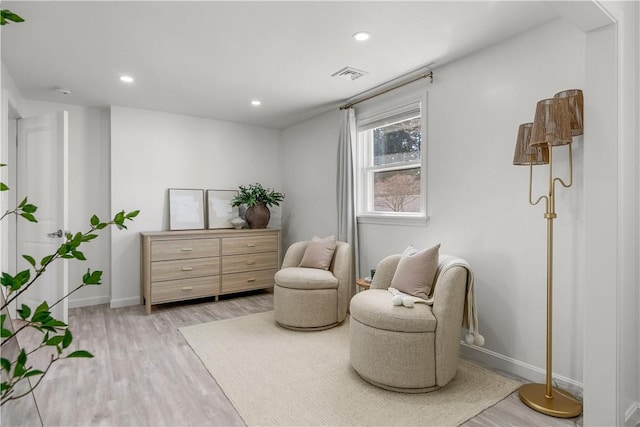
(349, 73)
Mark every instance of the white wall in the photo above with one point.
(152, 151)
(309, 152)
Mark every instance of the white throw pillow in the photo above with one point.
(319, 253)
(416, 271)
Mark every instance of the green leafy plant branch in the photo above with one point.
(56, 333)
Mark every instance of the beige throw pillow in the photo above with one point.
(416, 271)
(319, 253)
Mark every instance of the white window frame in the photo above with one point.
(378, 114)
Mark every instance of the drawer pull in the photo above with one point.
(250, 262)
(187, 268)
(253, 279)
(187, 288)
(186, 249)
(251, 245)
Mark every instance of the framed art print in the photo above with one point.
(219, 209)
(186, 209)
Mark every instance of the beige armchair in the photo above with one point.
(312, 298)
(404, 349)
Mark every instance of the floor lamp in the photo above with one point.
(556, 121)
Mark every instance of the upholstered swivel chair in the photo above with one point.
(415, 349)
(313, 298)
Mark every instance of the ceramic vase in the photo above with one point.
(258, 216)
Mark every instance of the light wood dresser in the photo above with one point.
(182, 265)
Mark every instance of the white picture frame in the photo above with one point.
(186, 209)
(219, 209)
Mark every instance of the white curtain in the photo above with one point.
(347, 226)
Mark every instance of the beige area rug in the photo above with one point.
(274, 376)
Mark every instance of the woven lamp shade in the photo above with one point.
(526, 154)
(552, 123)
(576, 109)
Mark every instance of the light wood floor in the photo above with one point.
(145, 374)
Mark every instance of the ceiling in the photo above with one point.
(211, 58)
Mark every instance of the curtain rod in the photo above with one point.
(422, 76)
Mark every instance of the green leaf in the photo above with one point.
(29, 208)
(29, 217)
(24, 312)
(55, 340)
(88, 237)
(5, 363)
(6, 279)
(3, 187)
(41, 317)
(119, 218)
(95, 221)
(22, 203)
(5, 333)
(45, 260)
(8, 15)
(54, 323)
(44, 307)
(30, 260)
(90, 278)
(80, 353)
(16, 282)
(19, 370)
(78, 255)
(68, 338)
(22, 357)
(132, 214)
(33, 372)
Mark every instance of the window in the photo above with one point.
(391, 183)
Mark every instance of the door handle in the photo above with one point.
(58, 233)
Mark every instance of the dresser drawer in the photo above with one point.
(178, 290)
(237, 282)
(249, 262)
(184, 269)
(249, 244)
(181, 249)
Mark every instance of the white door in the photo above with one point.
(42, 176)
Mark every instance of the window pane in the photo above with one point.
(398, 142)
(397, 191)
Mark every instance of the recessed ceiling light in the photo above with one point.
(361, 36)
(256, 103)
(126, 79)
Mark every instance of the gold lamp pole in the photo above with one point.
(557, 120)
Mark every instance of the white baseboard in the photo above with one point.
(125, 302)
(518, 368)
(632, 416)
(85, 302)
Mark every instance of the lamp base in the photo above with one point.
(562, 404)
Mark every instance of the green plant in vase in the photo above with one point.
(258, 200)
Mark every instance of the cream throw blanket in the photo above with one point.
(470, 317)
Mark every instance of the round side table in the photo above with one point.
(364, 285)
